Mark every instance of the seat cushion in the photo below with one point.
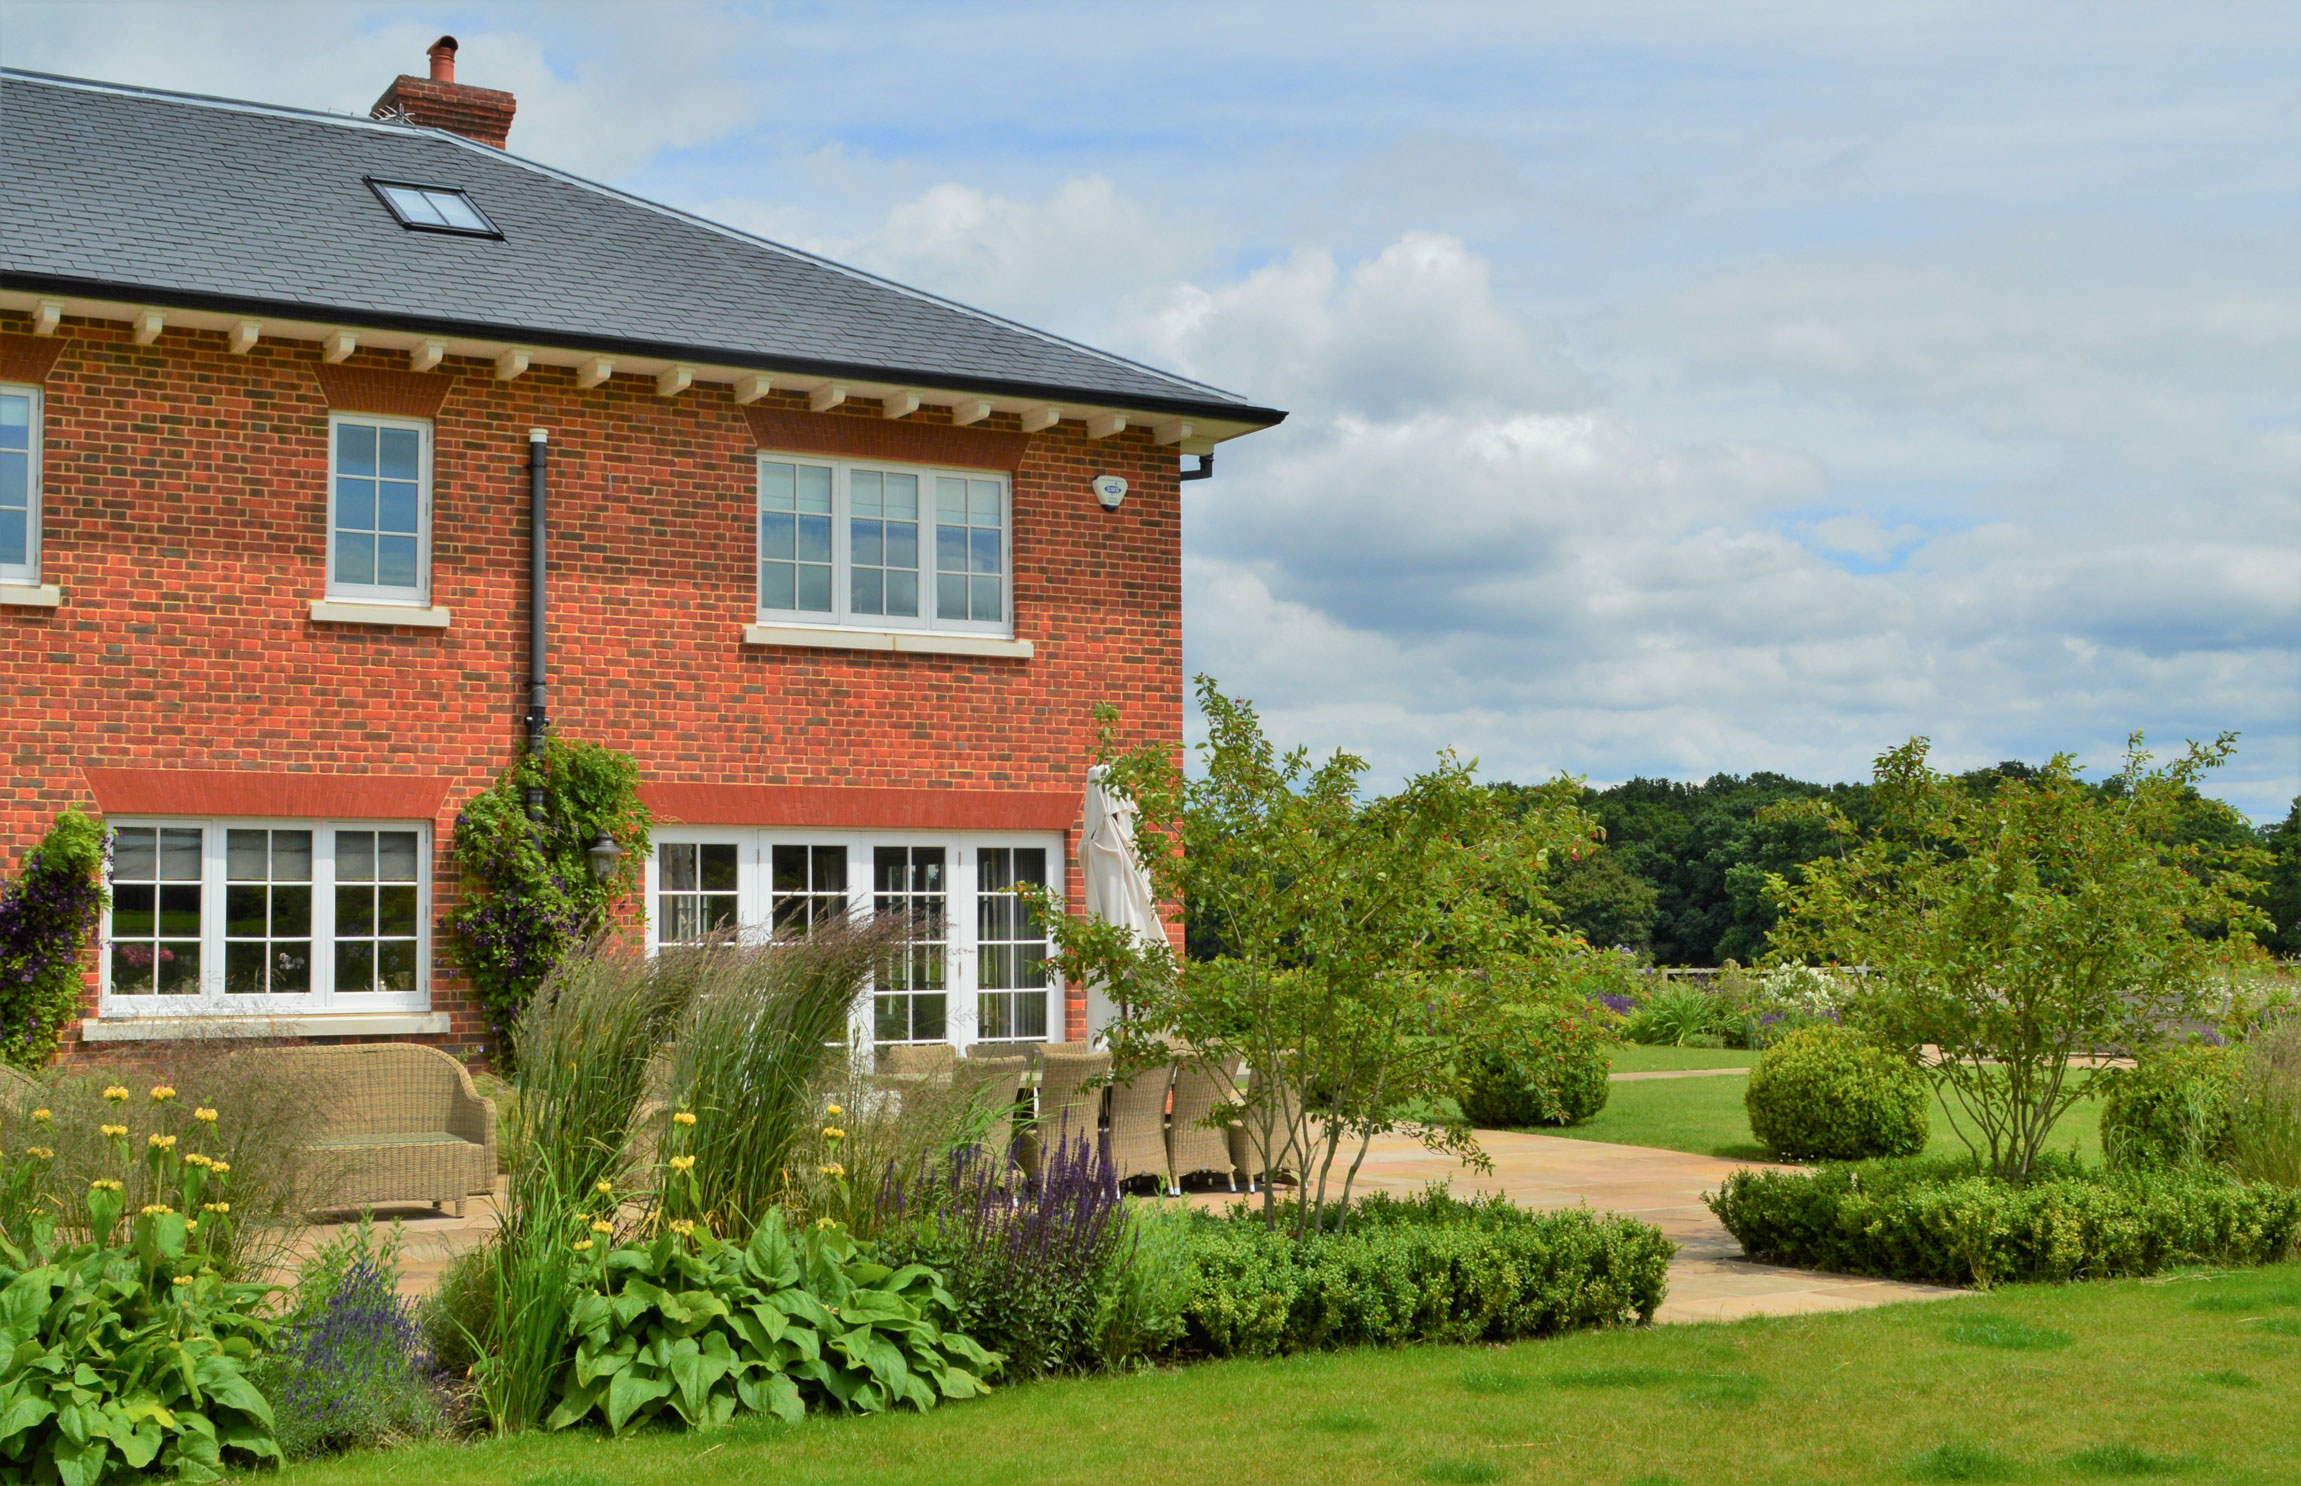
(382, 1138)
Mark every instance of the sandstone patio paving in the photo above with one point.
(1709, 1278)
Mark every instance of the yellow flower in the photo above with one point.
(191, 1225)
(601, 1225)
(42, 1116)
(682, 1163)
(196, 1159)
(583, 1246)
(204, 1115)
(104, 1184)
(162, 1093)
(113, 1129)
(833, 1132)
(604, 1187)
(833, 1110)
(833, 1168)
(682, 1117)
(115, 1093)
(826, 1222)
(161, 1142)
(183, 1279)
(40, 1151)
(215, 1207)
(223, 1168)
(682, 1227)
(157, 1209)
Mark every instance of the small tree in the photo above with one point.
(2013, 928)
(529, 895)
(1366, 941)
(46, 918)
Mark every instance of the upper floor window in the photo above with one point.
(19, 484)
(434, 209)
(379, 508)
(883, 547)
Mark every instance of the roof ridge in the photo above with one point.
(691, 218)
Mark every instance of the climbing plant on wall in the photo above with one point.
(529, 893)
(47, 914)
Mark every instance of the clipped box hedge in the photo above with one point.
(1937, 1222)
(1426, 1269)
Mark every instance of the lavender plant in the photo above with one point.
(1026, 1270)
(350, 1367)
(46, 917)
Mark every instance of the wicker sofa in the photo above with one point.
(397, 1122)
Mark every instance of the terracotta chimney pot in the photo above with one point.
(442, 56)
(440, 102)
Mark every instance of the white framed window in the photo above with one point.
(215, 917)
(884, 546)
(19, 484)
(974, 971)
(379, 508)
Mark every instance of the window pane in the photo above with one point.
(355, 965)
(292, 911)
(983, 548)
(246, 910)
(950, 499)
(866, 543)
(15, 539)
(15, 478)
(865, 492)
(355, 557)
(986, 598)
(902, 497)
(456, 211)
(815, 489)
(778, 536)
(396, 450)
(133, 856)
(180, 854)
(951, 549)
(951, 596)
(395, 909)
(815, 589)
(395, 964)
(790, 869)
(778, 585)
(132, 969)
(355, 856)
(246, 855)
(15, 421)
(355, 504)
(244, 967)
(903, 593)
(982, 503)
(133, 907)
(355, 449)
(291, 856)
(291, 967)
(179, 967)
(814, 539)
(719, 868)
(355, 910)
(395, 562)
(902, 544)
(869, 591)
(676, 861)
(395, 856)
(776, 487)
(395, 507)
(414, 206)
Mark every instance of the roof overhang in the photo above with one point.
(1193, 427)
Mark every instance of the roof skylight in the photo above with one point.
(434, 209)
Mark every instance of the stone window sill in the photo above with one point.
(337, 611)
(31, 595)
(336, 1024)
(906, 642)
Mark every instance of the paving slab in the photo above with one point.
(1710, 1280)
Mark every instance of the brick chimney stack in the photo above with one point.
(440, 102)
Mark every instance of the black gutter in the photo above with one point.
(538, 714)
(945, 380)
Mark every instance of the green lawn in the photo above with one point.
(1631, 1057)
(1705, 1116)
(2190, 1377)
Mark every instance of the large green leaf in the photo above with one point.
(630, 1393)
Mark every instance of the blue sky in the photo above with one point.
(1674, 391)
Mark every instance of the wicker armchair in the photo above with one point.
(1192, 1144)
(396, 1122)
(1137, 1142)
(995, 1084)
(1068, 1108)
(918, 1061)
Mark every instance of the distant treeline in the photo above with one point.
(1682, 876)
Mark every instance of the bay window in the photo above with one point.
(880, 546)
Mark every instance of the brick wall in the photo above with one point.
(184, 516)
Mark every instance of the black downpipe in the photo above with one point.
(538, 715)
(1205, 470)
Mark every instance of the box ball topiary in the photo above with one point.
(1541, 1063)
(2171, 1109)
(1828, 1092)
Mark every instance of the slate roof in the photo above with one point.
(177, 200)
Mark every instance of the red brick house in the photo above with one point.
(845, 566)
